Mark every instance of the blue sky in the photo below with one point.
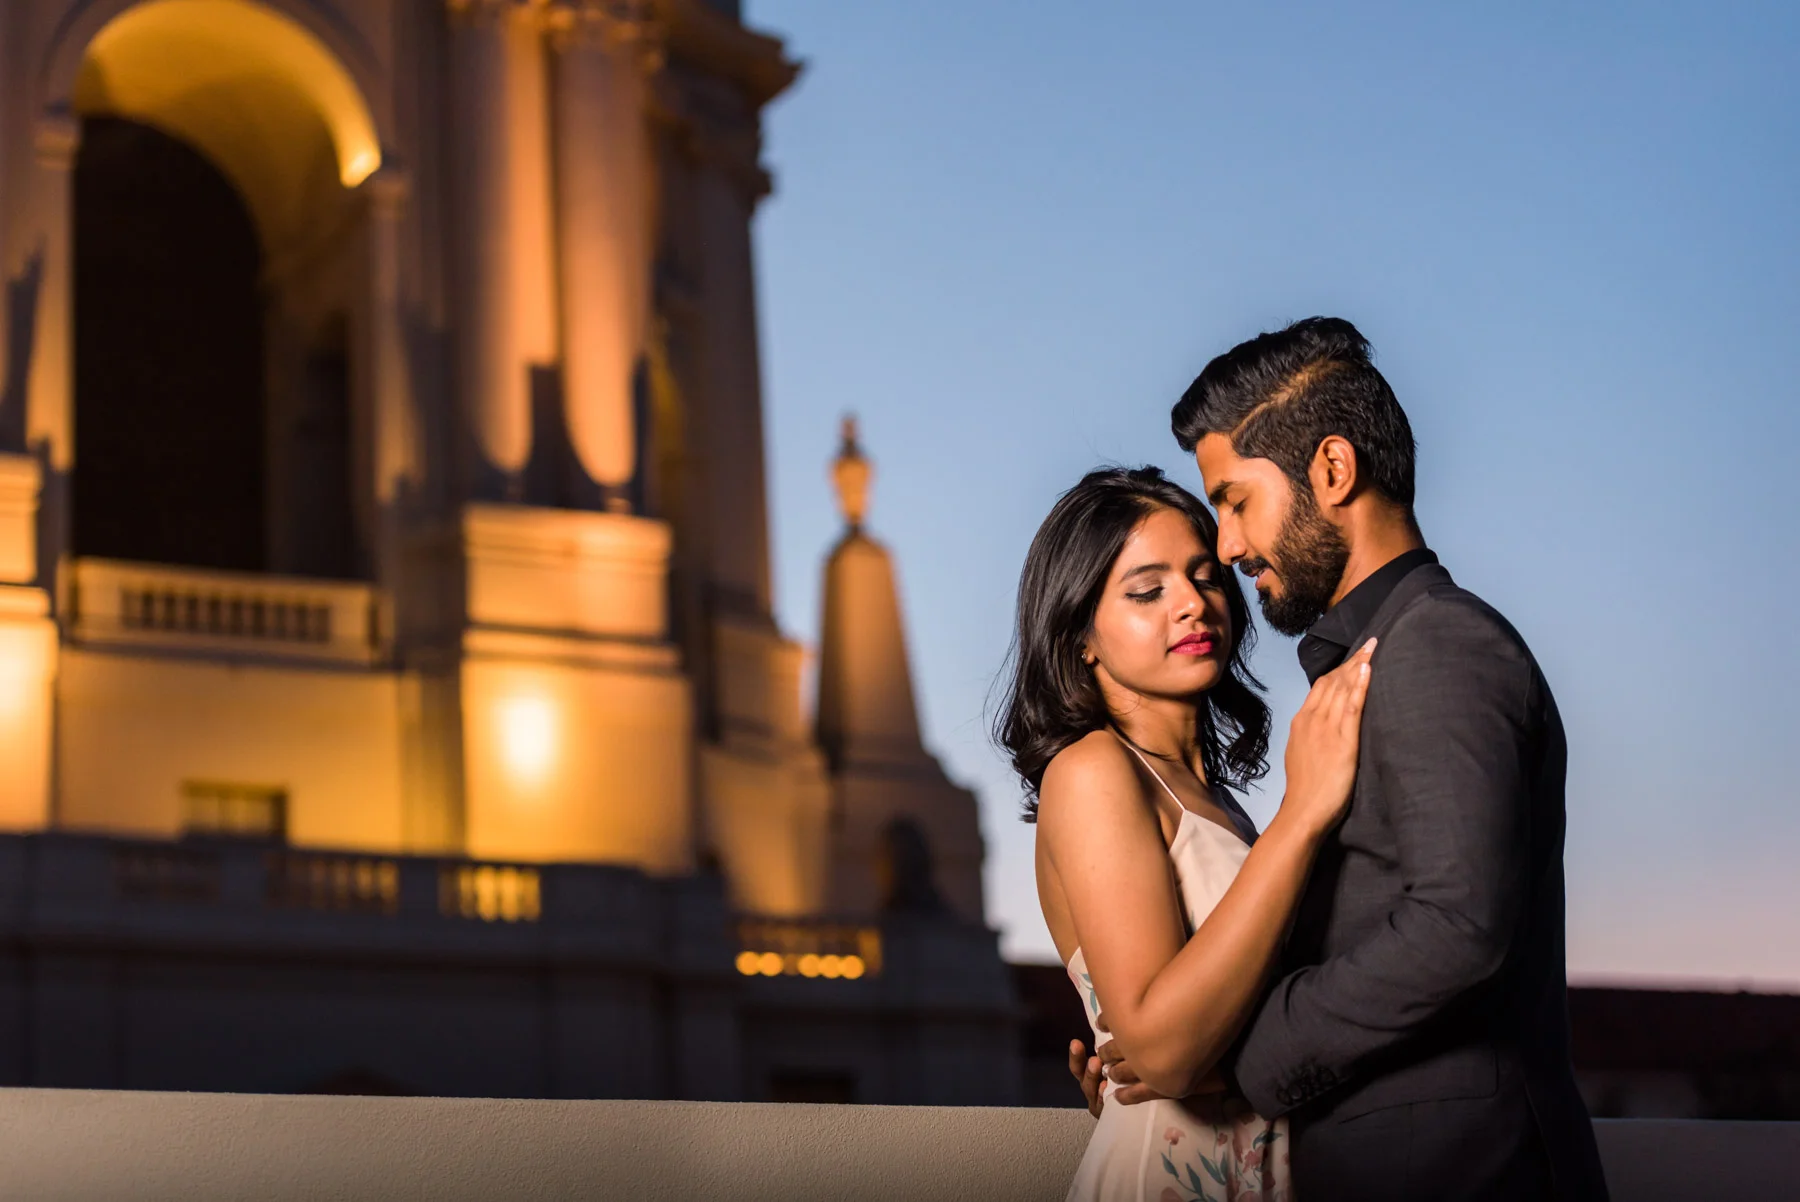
(1007, 234)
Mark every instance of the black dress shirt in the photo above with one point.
(1327, 644)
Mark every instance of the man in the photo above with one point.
(1417, 1037)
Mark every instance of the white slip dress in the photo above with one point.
(1212, 1146)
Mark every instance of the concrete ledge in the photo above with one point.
(84, 1146)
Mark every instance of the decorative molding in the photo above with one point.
(609, 23)
(709, 122)
(615, 22)
(475, 11)
(57, 139)
(701, 35)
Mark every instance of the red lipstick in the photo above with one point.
(1201, 642)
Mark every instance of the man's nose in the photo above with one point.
(1231, 543)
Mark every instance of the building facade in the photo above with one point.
(384, 542)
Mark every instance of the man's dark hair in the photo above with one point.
(1279, 395)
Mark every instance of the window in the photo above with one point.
(213, 810)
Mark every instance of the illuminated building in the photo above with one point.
(384, 572)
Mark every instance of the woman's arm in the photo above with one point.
(1174, 1007)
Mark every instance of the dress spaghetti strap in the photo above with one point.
(1145, 761)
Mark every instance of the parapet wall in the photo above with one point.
(85, 1146)
(235, 966)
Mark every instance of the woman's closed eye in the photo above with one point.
(1202, 577)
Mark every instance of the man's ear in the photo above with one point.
(1333, 471)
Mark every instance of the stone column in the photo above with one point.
(392, 468)
(727, 185)
(529, 166)
(397, 457)
(50, 389)
(604, 232)
(500, 231)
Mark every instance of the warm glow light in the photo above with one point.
(789, 948)
(17, 690)
(360, 166)
(170, 61)
(21, 674)
(528, 736)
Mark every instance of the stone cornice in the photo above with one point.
(477, 10)
(709, 75)
(756, 62)
(612, 22)
(711, 124)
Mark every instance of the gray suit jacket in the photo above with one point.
(1423, 995)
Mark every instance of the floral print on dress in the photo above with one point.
(1202, 1149)
(1086, 989)
(1230, 1165)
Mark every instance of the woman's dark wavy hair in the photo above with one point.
(1053, 699)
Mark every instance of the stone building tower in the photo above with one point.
(904, 837)
(390, 695)
(381, 437)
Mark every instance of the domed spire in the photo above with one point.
(866, 709)
(851, 473)
(904, 836)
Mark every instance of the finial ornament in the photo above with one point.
(851, 473)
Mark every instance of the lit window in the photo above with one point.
(215, 810)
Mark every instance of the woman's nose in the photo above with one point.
(1188, 601)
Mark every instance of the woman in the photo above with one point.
(1131, 715)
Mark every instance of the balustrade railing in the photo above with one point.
(114, 601)
(167, 873)
(236, 872)
(311, 881)
(490, 892)
(330, 882)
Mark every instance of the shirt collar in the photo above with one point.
(1327, 644)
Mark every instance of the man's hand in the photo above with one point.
(1086, 1071)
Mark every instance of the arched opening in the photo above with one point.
(169, 406)
(215, 418)
(907, 875)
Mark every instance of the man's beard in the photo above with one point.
(1310, 557)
